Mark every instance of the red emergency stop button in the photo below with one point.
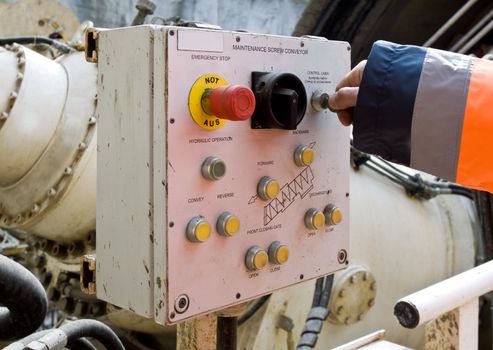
(233, 102)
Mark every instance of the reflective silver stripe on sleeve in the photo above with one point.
(439, 113)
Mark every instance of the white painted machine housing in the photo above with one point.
(150, 153)
(47, 144)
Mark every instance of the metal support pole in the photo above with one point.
(449, 23)
(227, 328)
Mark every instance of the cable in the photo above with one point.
(82, 344)
(21, 343)
(23, 40)
(317, 293)
(415, 185)
(324, 300)
(253, 309)
(24, 299)
(93, 329)
(317, 314)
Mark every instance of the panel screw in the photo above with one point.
(342, 256)
(182, 303)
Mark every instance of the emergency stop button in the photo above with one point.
(233, 102)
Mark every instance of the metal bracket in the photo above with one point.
(88, 274)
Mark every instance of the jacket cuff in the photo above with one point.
(384, 110)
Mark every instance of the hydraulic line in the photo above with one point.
(25, 40)
(93, 329)
(253, 309)
(317, 314)
(82, 344)
(21, 343)
(415, 185)
(79, 344)
(24, 299)
(324, 300)
(317, 293)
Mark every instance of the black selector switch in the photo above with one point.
(280, 101)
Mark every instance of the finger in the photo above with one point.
(353, 78)
(346, 116)
(344, 98)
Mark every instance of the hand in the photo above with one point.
(343, 101)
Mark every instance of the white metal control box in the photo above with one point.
(153, 196)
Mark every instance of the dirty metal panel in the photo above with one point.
(149, 172)
(124, 189)
(213, 274)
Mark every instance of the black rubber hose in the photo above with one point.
(317, 293)
(24, 299)
(23, 40)
(93, 329)
(253, 309)
(82, 344)
(325, 298)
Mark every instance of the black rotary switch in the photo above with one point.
(281, 101)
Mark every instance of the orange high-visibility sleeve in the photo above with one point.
(475, 165)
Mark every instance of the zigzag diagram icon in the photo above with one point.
(300, 186)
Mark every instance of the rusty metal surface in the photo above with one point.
(197, 334)
(443, 332)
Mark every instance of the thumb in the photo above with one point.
(344, 98)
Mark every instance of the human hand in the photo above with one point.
(346, 95)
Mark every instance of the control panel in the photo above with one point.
(222, 175)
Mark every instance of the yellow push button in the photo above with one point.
(227, 224)
(314, 219)
(333, 215)
(256, 258)
(303, 155)
(267, 188)
(278, 253)
(198, 230)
